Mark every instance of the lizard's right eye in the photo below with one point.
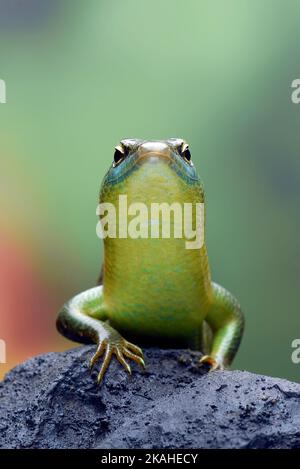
(119, 155)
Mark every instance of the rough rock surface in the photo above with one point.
(52, 401)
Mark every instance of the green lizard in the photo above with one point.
(154, 291)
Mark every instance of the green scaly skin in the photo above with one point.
(154, 291)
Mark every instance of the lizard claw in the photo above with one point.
(212, 363)
(121, 349)
(98, 354)
(135, 353)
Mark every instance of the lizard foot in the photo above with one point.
(211, 363)
(119, 347)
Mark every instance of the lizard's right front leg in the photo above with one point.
(82, 320)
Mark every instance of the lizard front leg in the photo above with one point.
(82, 319)
(227, 324)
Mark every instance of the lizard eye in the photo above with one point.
(119, 155)
(185, 153)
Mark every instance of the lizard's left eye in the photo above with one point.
(185, 153)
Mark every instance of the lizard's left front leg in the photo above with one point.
(227, 323)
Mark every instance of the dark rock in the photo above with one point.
(52, 401)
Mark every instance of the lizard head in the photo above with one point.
(153, 163)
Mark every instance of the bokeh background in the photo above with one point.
(80, 76)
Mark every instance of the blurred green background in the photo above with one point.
(80, 76)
